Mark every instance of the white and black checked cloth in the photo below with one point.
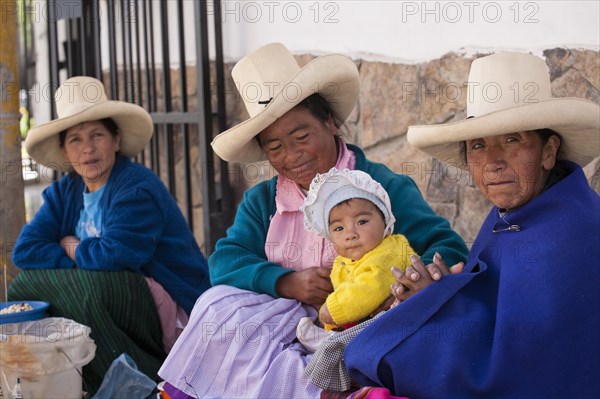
(326, 368)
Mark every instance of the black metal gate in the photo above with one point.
(140, 49)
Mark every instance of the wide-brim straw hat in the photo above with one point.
(83, 99)
(507, 93)
(336, 186)
(271, 82)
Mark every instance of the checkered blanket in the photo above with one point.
(326, 368)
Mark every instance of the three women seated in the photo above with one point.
(269, 272)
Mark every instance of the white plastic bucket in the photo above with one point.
(46, 356)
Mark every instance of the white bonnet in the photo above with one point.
(329, 189)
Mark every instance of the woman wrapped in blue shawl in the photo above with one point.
(523, 319)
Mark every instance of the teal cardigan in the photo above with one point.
(240, 260)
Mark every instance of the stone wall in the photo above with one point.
(394, 96)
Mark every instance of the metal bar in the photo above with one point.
(82, 37)
(175, 117)
(152, 88)
(130, 88)
(54, 61)
(23, 50)
(148, 79)
(53, 49)
(112, 51)
(153, 58)
(95, 38)
(219, 66)
(227, 205)
(138, 56)
(166, 66)
(139, 87)
(184, 107)
(124, 16)
(69, 50)
(205, 125)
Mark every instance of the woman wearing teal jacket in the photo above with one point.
(240, 258)
(269, 271)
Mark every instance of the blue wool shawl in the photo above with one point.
(522, 321)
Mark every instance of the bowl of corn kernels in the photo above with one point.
(18, 311)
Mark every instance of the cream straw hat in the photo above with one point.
(83, 99)
(271, 82)
(507, 93)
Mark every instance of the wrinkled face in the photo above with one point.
(355, 227)
(511, 169)
(91, 150)
(299, 146)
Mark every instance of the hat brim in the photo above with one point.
(333, 76)
(135, 125)
(576, 120)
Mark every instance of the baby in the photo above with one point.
(353, 211)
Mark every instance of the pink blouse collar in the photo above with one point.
(290, 197)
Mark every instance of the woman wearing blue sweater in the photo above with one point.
(522, 320)
(109, 248)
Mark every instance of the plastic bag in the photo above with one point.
(46, 357)
(124, 380)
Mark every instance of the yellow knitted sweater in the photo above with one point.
(360, 286)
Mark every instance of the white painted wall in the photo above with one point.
(409, 31)
(391, 30)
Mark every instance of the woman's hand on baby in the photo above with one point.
(418, 276)
(438, 268)
(310, 285)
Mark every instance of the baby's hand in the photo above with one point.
(325, 316)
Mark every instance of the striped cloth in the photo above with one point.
(117, 306)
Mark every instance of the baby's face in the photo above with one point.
(355, 227)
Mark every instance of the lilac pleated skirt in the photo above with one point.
(240, 344)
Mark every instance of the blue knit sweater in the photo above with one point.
(240, 259)
(143, 231)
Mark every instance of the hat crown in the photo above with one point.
(271, 83)
(262, 74)
(504, 80)
(83, 99)
(78, 94)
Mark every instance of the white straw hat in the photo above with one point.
(336, 186)
(83, 99)
(508, 93)
(271, 82)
